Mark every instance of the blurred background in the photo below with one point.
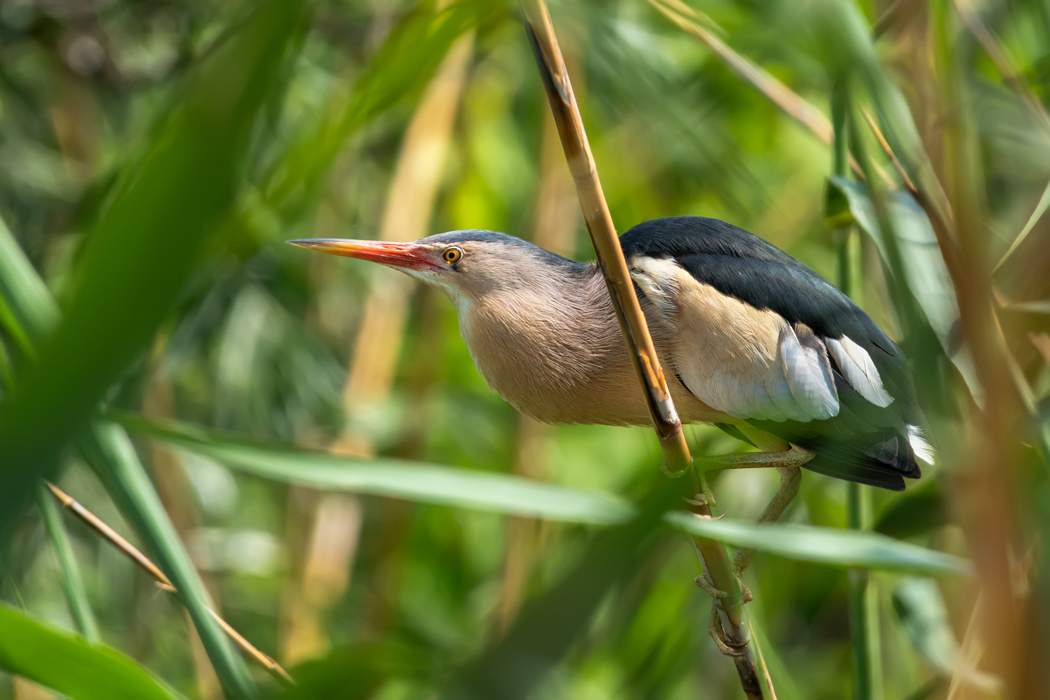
(177, 144)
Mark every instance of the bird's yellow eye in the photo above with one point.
(452, 255)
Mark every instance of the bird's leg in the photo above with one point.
(794, 456)
(790, 478)
(787, 463)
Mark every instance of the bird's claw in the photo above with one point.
(704, 582)
(745, 592)
(673, 474)
(725, 645)
(708, 585)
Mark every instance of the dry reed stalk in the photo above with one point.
(335, 519)
(984, 486)
(632, 322)
(982, 493)
(163, 582)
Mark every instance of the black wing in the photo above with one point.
(863, 440)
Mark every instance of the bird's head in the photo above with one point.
(464, 264)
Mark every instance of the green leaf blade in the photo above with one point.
(70, 665)
(926, 274)
(141, 251)
(413, 481)
(850, 548)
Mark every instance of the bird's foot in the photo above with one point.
(725, 645)
(745, 592)
(704, 582)
(667, 471)
(705, 498)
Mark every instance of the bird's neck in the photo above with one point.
(554, 350)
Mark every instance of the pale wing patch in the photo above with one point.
(808, 376)
(858, 369)
(728, 353)
(658, 280)
(780, 393)
(919, 445)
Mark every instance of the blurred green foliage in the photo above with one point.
(154, 157)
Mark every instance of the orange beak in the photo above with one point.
(409, 256)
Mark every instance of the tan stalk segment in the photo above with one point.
(163, 582)
(632, 321)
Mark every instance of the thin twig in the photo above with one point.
(632, 322)
(762, 663)
(889, 152)
(941, 228)
(780, 94)
(163, 582)
(1037, 213)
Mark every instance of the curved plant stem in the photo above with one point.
(163, 582)
(632, 322)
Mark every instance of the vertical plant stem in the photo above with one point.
(632, 322)
(989, 475)
(861, 592)
(72, 583)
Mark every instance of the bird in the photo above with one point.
(757, 343)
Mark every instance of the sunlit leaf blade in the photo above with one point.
(822, 545)
(143, 248)
(1030, 307)
(921, 610)
(924, 269)
(70, 665)
(783, 683)
(1040, 209)
(27, 310)
(413, 481)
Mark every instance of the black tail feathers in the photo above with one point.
(882, 460)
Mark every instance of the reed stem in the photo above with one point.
(632, 322)
(861, 593)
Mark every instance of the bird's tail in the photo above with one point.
(882, 460)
